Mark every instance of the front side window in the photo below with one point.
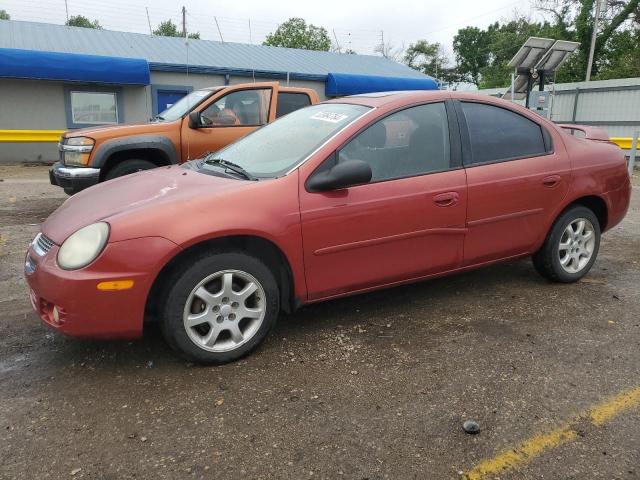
(411, 142)
(94, 108)
(497, 134)
(245, 107)
(276, 148)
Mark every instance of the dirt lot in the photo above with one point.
(369, 387)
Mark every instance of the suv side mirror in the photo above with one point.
(195, 120)
(343, 175)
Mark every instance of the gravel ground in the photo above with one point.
(369, 387)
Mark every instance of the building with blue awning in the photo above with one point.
(55, 77)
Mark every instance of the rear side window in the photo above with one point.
(290, 102)
(497, 134)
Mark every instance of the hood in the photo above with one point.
(110, 131)
(164, 188)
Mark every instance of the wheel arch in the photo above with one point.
(594, 203)
(254, 245)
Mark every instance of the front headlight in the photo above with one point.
(82, 247)
(76, 150)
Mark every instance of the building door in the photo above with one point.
(166, 98)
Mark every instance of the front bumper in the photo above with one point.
(73, 179)
(84, 310)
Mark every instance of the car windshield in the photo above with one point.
(274, 149)
(185, 105)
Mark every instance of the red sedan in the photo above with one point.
(343, 197)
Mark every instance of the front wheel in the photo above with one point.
(220, 307)
(127, 167)
(571, 247)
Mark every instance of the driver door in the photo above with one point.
(227, 117)
(406, 223)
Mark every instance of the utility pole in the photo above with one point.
(149, 21)
(250, 39)
(336, 39)
(66, 7)
(184, 22)
(594, 34)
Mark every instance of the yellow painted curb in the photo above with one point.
(30, 135)
(623, 142)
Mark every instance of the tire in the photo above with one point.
(191, 320)
(576, 252)
(127, 167)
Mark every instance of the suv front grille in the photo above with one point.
(42, 244)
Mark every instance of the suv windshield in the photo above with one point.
(274, 149)
(184, 105)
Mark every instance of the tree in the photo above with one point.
(169, 29)
(390, 51)
(84, 22)
(4, 15)
(427, 58)
(295, 33)
(471, 48)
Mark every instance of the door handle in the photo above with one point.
(446, 199)
(551, 181)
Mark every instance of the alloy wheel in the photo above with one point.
(577, 244)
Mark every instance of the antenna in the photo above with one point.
(66, 7)
(219, 32)
(336, 39)
(250, 39)
(149, 21)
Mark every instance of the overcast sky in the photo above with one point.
(357, 24)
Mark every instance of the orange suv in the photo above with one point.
(203, 121)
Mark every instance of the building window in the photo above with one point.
(93, 106)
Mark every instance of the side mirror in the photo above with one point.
(343, 175)
(195, 120)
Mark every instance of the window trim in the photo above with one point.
(281, 92)
(117, 91)
(453, 154)
(157, 87)
(467, 154)
(231, 93)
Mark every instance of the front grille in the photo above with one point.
(42, 245)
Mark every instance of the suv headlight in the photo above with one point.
(76, 150)
(83, 247)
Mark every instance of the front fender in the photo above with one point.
(138, 142)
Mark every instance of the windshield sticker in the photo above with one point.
(329, 117)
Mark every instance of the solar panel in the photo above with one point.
(556, 55)
(530, 53)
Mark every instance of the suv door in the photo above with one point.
(516, 177)
(228, 116)
(408, 222)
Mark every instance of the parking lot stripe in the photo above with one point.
(522, 454)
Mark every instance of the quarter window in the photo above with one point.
(94, 108)
(498, 134)
(290, 102)
(244, 107)
(411, 142)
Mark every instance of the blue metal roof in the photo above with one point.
(206, 56)
(73, 67)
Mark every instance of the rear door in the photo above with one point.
(516, 178)
(228, 116)
(406, 223)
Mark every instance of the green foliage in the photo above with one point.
(4, 15)
(482, 55)
(169, 29)
(84, 22)
(428, 58)
(295, 33)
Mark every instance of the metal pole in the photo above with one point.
(594, 34)
(219, 31)
(149, 21)
(634, 150)
(513, 82)
(250, 38)
(66, 7)
(184, 22)
(529, 87)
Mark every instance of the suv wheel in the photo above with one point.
(220, 307)
(571, 247)
(127, 167)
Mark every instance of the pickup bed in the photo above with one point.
(203, 121)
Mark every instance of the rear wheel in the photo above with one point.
(129, 166)
(571, 247)
(220, 307)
